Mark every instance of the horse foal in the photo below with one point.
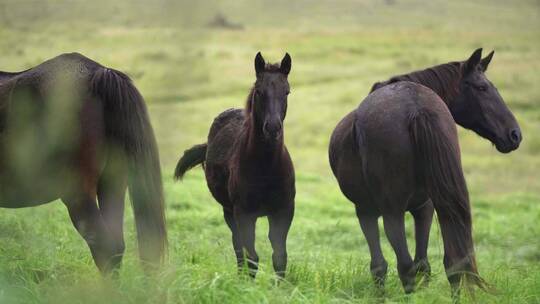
(248, 168)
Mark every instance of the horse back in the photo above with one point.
(384, 115)
(67, 75)
(72, 65)
(224, 132)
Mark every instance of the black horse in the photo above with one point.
(247, 166)
(73, 129)
(399, 151)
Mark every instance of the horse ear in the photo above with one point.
(285, 66)
(474, 60)
(259, 63)
(485, 62)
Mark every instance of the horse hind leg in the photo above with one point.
(423, 217)
(111, 196)
(394, 227)
(88, 221)
(370, 228)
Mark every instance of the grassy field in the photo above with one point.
(189, 73)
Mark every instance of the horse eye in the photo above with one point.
(482, 88)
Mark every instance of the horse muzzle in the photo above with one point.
(511, 142)
(273, 130)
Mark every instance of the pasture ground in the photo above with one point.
(189, 73)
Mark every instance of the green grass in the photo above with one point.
(188, 74)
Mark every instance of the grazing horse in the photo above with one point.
(248, 168)
(399, 151)
(74, 130)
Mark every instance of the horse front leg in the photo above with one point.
(279, 224)
(237, 242)
(245, 222)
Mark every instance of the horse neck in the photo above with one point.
(442, 79)
(256, 148)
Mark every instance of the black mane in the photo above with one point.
(442, 79)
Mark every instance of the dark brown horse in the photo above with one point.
(248, 169)
(74, 130)
(398, 151)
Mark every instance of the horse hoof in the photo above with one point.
(408, 289)
(423, 272)
(408, 279)
(409, 284)
(423, 267)
(280, 275)
(378, 272)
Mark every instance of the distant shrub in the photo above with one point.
(221, 21)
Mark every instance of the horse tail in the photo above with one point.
(127, 126)
(192, 157)
(438, 166)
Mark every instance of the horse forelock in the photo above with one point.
(272, 68)
(269, 68)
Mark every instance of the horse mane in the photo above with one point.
(443, 79)
(248, 107)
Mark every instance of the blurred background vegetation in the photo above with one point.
(193, 59)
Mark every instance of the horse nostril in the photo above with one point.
(515, 136)
(279, 126)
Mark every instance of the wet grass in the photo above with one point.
(188, 74)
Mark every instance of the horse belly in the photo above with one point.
(31, 175)
(29, 192)
(217, 181)
(47, 154)
(20, 198)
